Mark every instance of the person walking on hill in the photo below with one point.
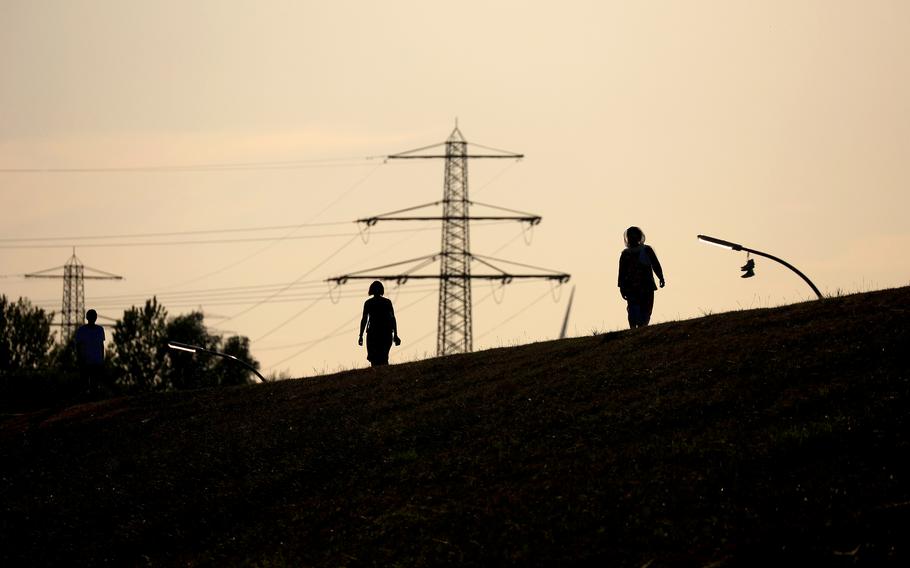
(379, 322)
(636, 282)
(89, 339)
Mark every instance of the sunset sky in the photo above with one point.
(782, 125)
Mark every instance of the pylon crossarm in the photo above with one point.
(506, 153)
(103, 273)
(413, 155)
(485, 263)
(535, 219)
(438, 156)
(407, 152)
(403, 278)
(372, 220)
(44, 273)
(479, 257)
(519, 215)
(561, 278)
(531, 219)
(359, 274)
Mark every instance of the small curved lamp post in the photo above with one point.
(176, 345)
(738, 247)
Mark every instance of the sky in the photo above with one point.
(782, 125)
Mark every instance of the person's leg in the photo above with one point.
(646, 306)
(85, 377)
(632, 310)
(100, 380)
(384, 351)
(378, 346)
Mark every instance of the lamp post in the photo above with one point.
(737, 247)
(178, 346)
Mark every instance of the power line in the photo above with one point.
(515, 315)
(210, 241)
(259, 251)
(177, 243)
(210, 167)
(235, 301)
(293, 317)
(304, 275)
(172, 233)
(204, 292)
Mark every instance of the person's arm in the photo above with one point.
(363, 324)
(621, 277)
(77, 340)
(655, 264)
(395, 337)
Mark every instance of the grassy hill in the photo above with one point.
(736, 439)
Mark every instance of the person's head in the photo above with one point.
(634, 237)
(376, 288)
(91, 316)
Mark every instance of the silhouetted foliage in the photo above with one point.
(25, 336)
(229, 372)
(35, 371)
(142, 361)
(188, 370)
(62, 356)
(137, 348)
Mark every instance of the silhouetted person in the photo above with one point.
(89, 340)
(379, 322)
(636, 282)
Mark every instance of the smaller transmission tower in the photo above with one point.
(73, 309)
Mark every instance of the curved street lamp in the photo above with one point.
(196, 349)
(738, 247)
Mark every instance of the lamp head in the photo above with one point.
(720, 242)
(182, 346)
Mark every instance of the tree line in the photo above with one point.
(137, 358)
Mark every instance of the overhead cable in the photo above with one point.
(211, 167)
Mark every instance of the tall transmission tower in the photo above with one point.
(74, 277)
(454, 325)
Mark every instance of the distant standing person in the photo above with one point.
(379, 322)
(89, 340)
(636, 282)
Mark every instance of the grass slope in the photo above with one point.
(737, 439)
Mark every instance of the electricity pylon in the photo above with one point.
(454, 332)
(74, 277)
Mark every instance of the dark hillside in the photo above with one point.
(775, 435)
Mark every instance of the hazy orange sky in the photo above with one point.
(782, 125)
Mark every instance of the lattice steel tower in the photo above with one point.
(454, 326)
(73, 308)
(454, 331)
(73, 295)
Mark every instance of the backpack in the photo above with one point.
(638, 270)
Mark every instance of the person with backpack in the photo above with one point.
(636, 282)
(379, 322)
